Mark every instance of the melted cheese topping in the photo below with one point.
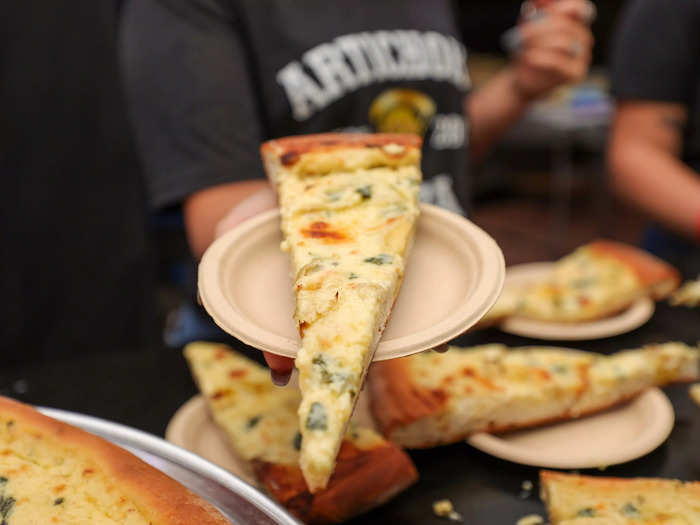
(259, 418)
(629, 502)
(45, 481)
(582, 286)
(348, 233)
(493, 386)
(495, 368)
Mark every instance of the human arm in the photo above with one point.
(645, 165)
(555, 49)
(654, 80)
(214, 211)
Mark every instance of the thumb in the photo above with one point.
(444, 347)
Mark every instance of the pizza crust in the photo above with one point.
(334, 152)
(658, 277)
(295, 146)
(157, 497)
(362, 480)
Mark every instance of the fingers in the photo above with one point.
(441, 349)
(557, 46)
(260, 201)
(541, 32)
(580, 10)
(555, 64)
(566, 46)
(280, 368)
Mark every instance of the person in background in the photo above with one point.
(209, 80)
(654, 155)
(75, 273)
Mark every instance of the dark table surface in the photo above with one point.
(145, 389)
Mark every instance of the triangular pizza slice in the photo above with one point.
(349, 205)
(260, 420)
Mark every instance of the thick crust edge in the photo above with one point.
(323, 153)
(160, 498)
(657, 275)
(363, 479)
(300, 144)
(395, 400)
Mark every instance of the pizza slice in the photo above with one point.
(430, 399)
(623, 375)
(51, 472)
(587, 500)
(687, 295)
(261, 422)
(349, 205)
(595, 281)
(694, 392)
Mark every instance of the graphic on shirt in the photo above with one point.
(439, 191)
(449, 131)
(335, 69)
(402, 111)
(331, 70)
(411, 111)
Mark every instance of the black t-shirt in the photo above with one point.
(657, 58)
(208, 80)
(74, 272)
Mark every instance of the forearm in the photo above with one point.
(658, 183)
(204, 210)
(554, 49)
(492, 110)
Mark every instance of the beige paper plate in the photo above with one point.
(626, 321)
(616, 436)
(193, 429)
(454, 275)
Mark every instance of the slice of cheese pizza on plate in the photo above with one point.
(349, 206)
(261, 422)
(623, 375)
(597, 280)
(430, 398)
(587, 500)
(51, 472)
